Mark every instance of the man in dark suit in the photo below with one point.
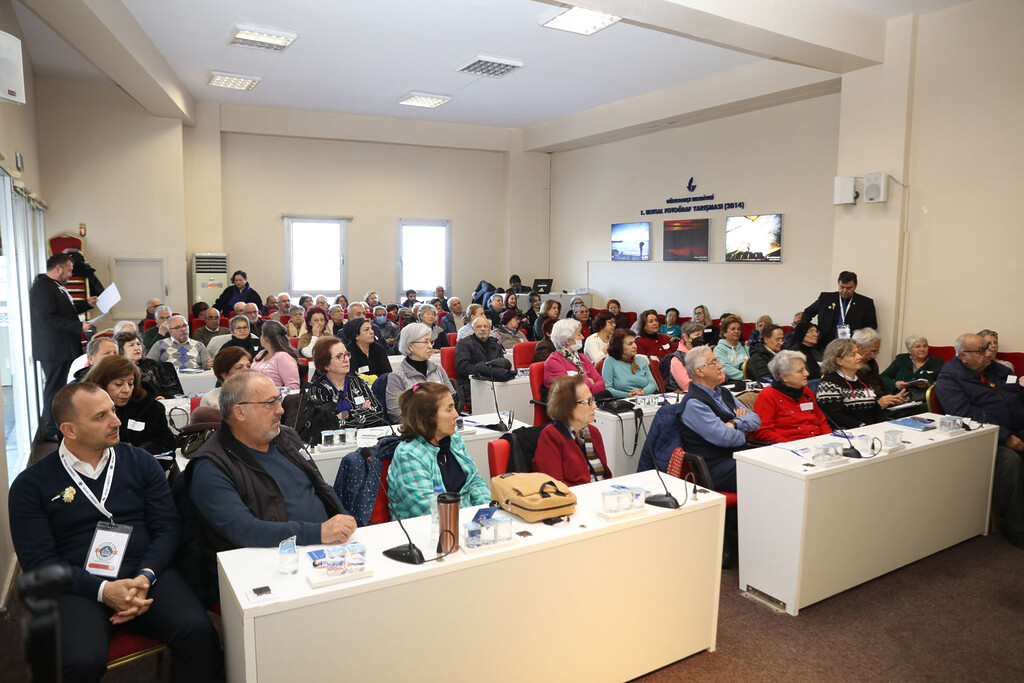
(56, 331)
(841, 313)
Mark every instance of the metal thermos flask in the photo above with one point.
(448, 512)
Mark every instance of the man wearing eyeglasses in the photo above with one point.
(253, 484)
(179, 350)
(971, 385)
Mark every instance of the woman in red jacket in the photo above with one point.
(649, 342)
(788, 409)
(569, 450)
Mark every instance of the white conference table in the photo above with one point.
(626, 598)
(619, 429)
(514, 395)
(197, 383)
(808, 533)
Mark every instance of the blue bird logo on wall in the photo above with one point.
(691, 186)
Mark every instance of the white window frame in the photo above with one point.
(343, 221)
(423, 295)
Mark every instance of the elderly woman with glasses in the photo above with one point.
(569, 449)
(344, 392)
(788, 409)
(414, 343)
(567, 338)
(143, 419)
(914, 371)
(843, 396)
(241, 336)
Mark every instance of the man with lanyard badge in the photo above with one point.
(843, 313)
(104, 509)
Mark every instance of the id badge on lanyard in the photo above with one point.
(842, 329)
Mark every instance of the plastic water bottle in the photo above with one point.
(435, 518)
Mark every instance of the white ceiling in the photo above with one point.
(361, 57)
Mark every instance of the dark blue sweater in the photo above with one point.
(47, 531)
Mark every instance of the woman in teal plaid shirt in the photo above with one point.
(431, 455)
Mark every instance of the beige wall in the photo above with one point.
(777, 160)
(108, 163)
(267, 177)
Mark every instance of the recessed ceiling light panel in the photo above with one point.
(424, 99)
(222, 79)
(492, 67)
(583, 21)
(270, 39)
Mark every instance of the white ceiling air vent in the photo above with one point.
(492, 67)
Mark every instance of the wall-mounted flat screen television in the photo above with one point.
(631, 241)
(686, 240)
(754, 239)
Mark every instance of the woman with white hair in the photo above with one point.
(414, 343)
(427, 314)
(788, 409)
(567, 338)
(914, 370)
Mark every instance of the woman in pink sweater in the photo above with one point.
(567, 337)
(277, 360)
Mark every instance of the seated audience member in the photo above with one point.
(143, 419)
(971, 385)
(845, 398)
(241, 292)
(730, 350)
(295, 322)
(544, 347)
(714, 426)
(914, 371)
(475, 311)
(805, 340)
(253, 486)
(480, 354)
(869, 343)
(388, 329)
(369, 357)
(626, 373)
(569, 449)
(673, 369)
(284, 303)
(757, 334)
(414, 344)
(431, 454)
(410, 298)
(321, 301)
(786, 342)
(225, 363)
(342, 301)
(671, 327)
(508, 333)
(702, 316)
(277, 359)
(212, 328)
(125, 326)
(455, 320)
(510, 300)
(146, 595)
(494, 308)
(550, 309)
(151, 307)
(596, 345)
(582, 314)
(566, 359)
(252, 314)
(305, 302)
(648, 341)
(159, 377)
(335, 319)
(529, 318)
(371, 299)
(762, 352)
(570, 310)
(314, 326)
(198, 308)
(615, 308)
(358, 310)
(270, 305)
(427, 314)
(345, 392)
(159, 331)
(97, 348)
(241, 336)
(991, 338)
(239, 309)
(788, 409)
(178, 349)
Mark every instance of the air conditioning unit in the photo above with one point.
(209, 276)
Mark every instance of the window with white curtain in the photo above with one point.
(424, 256)
(315, 249)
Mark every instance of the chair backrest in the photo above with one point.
(943, 353)
(540, 415)
(148, 324)
(498, 452)
(294, 341)
(441, 315)
(746, 330)
(687, 319)
(932, 401)
(656, 371)
(194, 403)
(630, 317)
(522, 354)
(197, 323)
(453, 337)
(448, 362)
(600, 365)
(717, 322)
(1016, 358)
(787, 328)
(661, 318)
(381, 513)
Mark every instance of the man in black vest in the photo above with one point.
(713, 425)
(841, 313)
(253, 484)
(56, 331)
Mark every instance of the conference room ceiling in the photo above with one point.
(361, 57)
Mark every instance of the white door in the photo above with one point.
(139, 279)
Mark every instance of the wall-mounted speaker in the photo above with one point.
(876, 187)
(12, 71)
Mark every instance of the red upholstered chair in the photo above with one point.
(600, 365)
(294, 341)
(448, 362)
(630, 317)
(391, 316)
(452, 338)
(656, 371)
(716, 322)
(148, 324)
(661, 318)
(746, 330)
(943, 353)
(522, 354)
(540, 414)
(498, 452)
(684, 320)
(931, 400)
(381, 513)
(787, 328)
(595, 311)
(1016, 358)
(126, 647)
(681, 463)
(224, 321)
(440, 316)
(197, 323)
(194, 403)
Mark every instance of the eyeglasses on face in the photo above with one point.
(178, 327)
(589, 402)
(269, 403)
(344, 355)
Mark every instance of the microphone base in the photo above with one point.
(851, 452)
(407, 554)
(662, 500)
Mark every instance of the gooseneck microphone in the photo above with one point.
(848, 451)
(407, 553)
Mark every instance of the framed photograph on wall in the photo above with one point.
(631, 241)
(754, 239)
(686, 240)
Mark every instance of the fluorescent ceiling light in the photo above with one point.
(492, 67)
(262, 38)
(424, 99)
(221, 79)
(582, 21)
